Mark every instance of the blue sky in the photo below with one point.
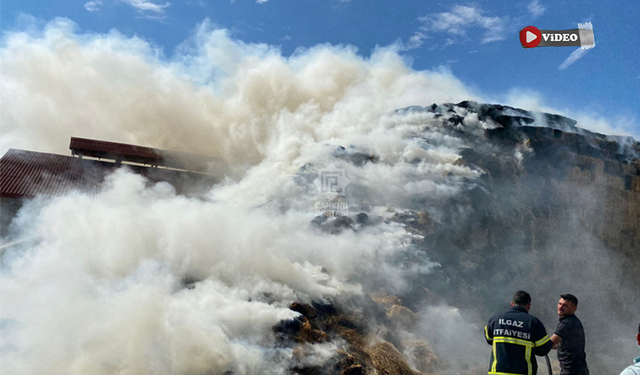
(477, 41)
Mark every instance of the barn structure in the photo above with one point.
(25, 174)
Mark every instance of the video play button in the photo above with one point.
(530, 37)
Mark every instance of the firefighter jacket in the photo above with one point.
(516, 338)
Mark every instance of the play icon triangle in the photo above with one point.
(531, 36)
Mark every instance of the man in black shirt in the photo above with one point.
(569, 338)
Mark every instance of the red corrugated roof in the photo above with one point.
(97, 148)
(28, 174)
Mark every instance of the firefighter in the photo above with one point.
(516, 338)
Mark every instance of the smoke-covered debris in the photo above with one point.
(354, 156)
(420, 356)
(358, 352)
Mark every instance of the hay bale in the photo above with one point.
(386, 301)
(400, 315)
(421, 355)
(388, 361)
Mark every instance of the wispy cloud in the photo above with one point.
(573, 57)
(416, 40)
(93, 6)
(149, 8)
(460, 19)
(536, 9)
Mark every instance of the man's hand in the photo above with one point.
(556, 340)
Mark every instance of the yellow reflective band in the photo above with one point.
(542, 341)
(527, 355)
(495, 357)
(511, 340)
(502, 373)
(486, 333)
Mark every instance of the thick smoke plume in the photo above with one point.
(215, 95)
(103, 289)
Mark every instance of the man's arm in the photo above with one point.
(562, 330)
(488, 329)
(487, 335)
(556, 340)
(542, 343)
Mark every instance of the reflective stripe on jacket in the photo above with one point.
(516, 338)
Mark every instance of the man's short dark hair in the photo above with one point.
(570, 297)
(521, 298)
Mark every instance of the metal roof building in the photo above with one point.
(116, 151)
(28, 174)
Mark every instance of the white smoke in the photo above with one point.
(447, 328)
(103, 291)
(215, 96)
(621, 123)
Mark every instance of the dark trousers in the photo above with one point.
(584, 371)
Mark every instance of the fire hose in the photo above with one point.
(549, 370)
